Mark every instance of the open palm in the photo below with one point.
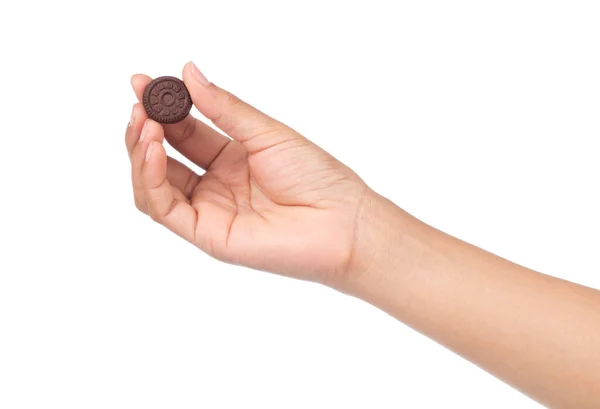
(270, 199)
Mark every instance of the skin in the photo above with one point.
(272, 200)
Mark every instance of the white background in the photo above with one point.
(481, 118)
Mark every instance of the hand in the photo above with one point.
(270, 199)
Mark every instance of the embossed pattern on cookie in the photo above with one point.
(167, 100)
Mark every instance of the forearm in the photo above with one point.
(538, 333)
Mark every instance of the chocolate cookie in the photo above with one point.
(167, 100)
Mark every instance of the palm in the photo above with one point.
(290, 209)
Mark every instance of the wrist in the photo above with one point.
(389, 245)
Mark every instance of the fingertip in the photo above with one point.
(138, 113)
(154, 130)
(155, 165)
(139, 83)
(137, 78)
(186, 74)
(149, 152)
(205, 96)
(134, 127)
(187, 68)
(155, 151)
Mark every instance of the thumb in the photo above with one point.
(241, 121)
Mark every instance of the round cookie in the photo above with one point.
(167, 100)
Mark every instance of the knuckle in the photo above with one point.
(189, 130)
(155, 216)
(140, 204)
(190, 184)
(233, 101)
(231, 108)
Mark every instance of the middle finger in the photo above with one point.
(193, 138)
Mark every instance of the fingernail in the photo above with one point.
(149, 151)
(198, 75)
(144, 131)
(132, 117)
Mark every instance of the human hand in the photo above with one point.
(270, 199)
